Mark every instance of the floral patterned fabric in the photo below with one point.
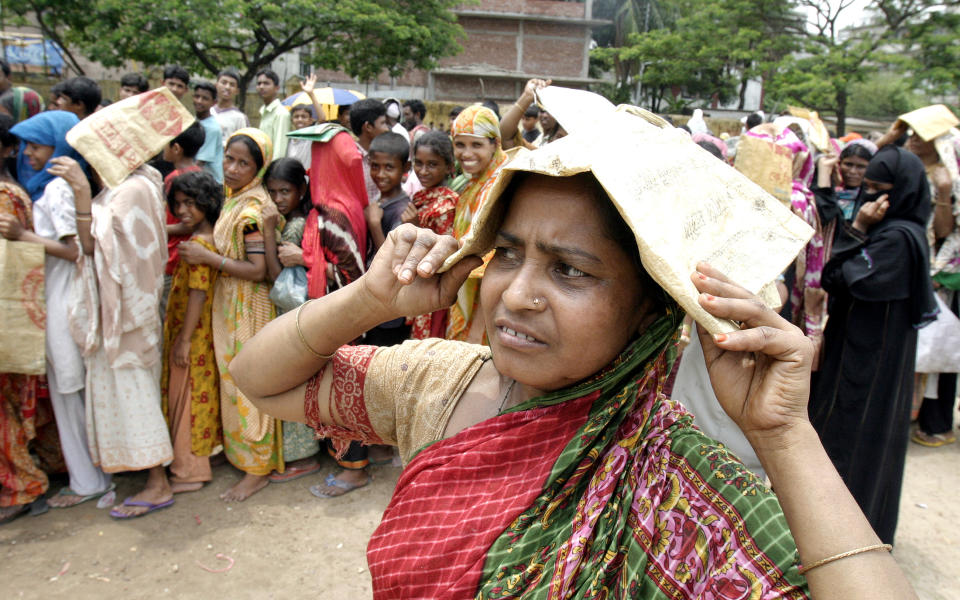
(205, 433)
(436, 208)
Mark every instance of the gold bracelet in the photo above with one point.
(84, 218)
(847, 554)
(304, 340)
(944, 203)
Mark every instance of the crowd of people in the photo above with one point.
(181, 328)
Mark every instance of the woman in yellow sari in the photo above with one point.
(476, 144)
(242, 306)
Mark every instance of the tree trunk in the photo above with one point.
(743, 91)
(841, 112)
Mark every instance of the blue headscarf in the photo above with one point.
(48, 129)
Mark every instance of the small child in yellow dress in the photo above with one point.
(190, 386)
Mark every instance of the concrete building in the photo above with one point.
(506, 43)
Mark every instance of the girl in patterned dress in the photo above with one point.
(433, 207)
(189, 383)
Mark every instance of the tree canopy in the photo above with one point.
(363, 38)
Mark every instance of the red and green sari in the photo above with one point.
(601, 490)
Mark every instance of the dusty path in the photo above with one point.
(287, 544)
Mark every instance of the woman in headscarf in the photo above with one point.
(26, 419)
(44, 142)
(476, 144)
(880, 290)
(241, 306)
(550, 464)
(21, 103)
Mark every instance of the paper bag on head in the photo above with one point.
(683, 205)
(119, 138)
(930, 122)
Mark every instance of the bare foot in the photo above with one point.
(180, 487)
(157, 491)
(246, 487)
(345, 481)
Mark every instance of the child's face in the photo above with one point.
(301, 117)
(37, 155)
(227, 87)
(170, 153)
(474, 153)
(529, 122)
(430, 167)
(387, 171)
(202, 101)
(285, 195)
(185, 209)
(266, 88)
(177, 86)
(127, 90)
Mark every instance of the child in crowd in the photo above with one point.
(274, 116)
(389, 160)
(177, 80)
(210, 155)
(432, 207)
(189, 382)
(79, 95)
(181, 154)
(228, 115)
(132, 84)
(300, 116)
(286, 182)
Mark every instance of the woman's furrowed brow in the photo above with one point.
(555, 249)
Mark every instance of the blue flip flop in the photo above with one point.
(150, 508)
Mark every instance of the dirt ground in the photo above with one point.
(284, 543)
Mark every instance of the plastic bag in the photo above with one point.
(290, 289)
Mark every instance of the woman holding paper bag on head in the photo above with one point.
(550, 462)
(115, 310)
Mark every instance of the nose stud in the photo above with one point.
(537, 301)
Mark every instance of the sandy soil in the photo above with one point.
(287, 544)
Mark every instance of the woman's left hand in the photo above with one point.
(70, 170)
(194, 253)
(271, 216)
(761, 374)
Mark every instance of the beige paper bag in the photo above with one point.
(931, 121)
(117, 139)
(766, 164)
(23, 309)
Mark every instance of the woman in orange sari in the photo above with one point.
(476, 144)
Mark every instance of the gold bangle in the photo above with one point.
(944, 203)
(847, 554)
(84, 218)
(304, 340)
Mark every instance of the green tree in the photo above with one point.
(836, 58)
(363, 38)
(933, 46)
(708, 48)
(883, 95)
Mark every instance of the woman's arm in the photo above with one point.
(271, 216)
(943, 219)
(893, 134)
(510, 122)
(70, 171)
(181, 346)
(252, 269)
(65, 248)
(274, 365)
(761, 375)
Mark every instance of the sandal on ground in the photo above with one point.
(933, 440)
(293, 473)
(332, 481)
(66, 491)
(149, 505)
(14, 514)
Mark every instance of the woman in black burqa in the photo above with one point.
(880, 295)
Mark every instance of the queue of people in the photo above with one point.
(266, 308)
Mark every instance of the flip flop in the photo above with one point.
(66, 491)
(332, 481)
(150, 508)
(933, 440)
(294, 473)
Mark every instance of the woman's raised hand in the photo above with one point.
(871, 213)
(403, 275)
(70, 170)
(761, 374)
